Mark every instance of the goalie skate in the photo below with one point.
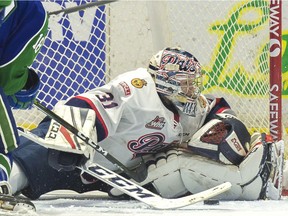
(272, 172)
(15, 204)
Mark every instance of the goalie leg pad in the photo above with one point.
(175, 173)
(180, 172)
(198, 173)
(170, 185)
(259, 176)
(163, 172)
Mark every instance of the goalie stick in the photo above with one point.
(136, 191)
(138, 175)
(146, 196)
(80, 7)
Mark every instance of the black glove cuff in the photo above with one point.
(64, 161)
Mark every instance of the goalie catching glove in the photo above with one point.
(225, 139)
(64, 142)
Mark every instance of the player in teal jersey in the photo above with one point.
(23, 27)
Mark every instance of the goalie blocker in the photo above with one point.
(254, 168)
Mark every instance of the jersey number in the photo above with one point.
(107, 100)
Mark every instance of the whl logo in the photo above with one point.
(157, 123)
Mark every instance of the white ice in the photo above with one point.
(98, 204)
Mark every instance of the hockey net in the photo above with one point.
(88, 48)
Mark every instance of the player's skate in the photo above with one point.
(13, 203)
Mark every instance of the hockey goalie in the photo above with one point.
(190, 141)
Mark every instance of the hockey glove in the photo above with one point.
(24, 98)
(64, 161)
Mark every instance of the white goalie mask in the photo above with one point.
(177, 75)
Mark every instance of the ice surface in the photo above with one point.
(98, 204)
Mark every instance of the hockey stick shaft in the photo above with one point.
(141, 194)
(136, 191)
(81, 7)
(138, 175)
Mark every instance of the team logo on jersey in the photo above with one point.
(158, 123)
(138, 83)
(148, 143)
(127, 90)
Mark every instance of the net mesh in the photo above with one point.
(88, 48)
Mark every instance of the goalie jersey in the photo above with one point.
(132, 120)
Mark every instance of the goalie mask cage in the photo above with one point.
(232, 40)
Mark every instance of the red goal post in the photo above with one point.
(230, 39)
(275, 102)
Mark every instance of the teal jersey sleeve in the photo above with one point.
(22, 33)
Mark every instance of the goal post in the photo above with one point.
(275, 102)
(235, 42)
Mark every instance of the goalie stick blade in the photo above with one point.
(143, 195)
(16, 204)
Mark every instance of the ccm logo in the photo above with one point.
(237, 144)
(54, 130)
